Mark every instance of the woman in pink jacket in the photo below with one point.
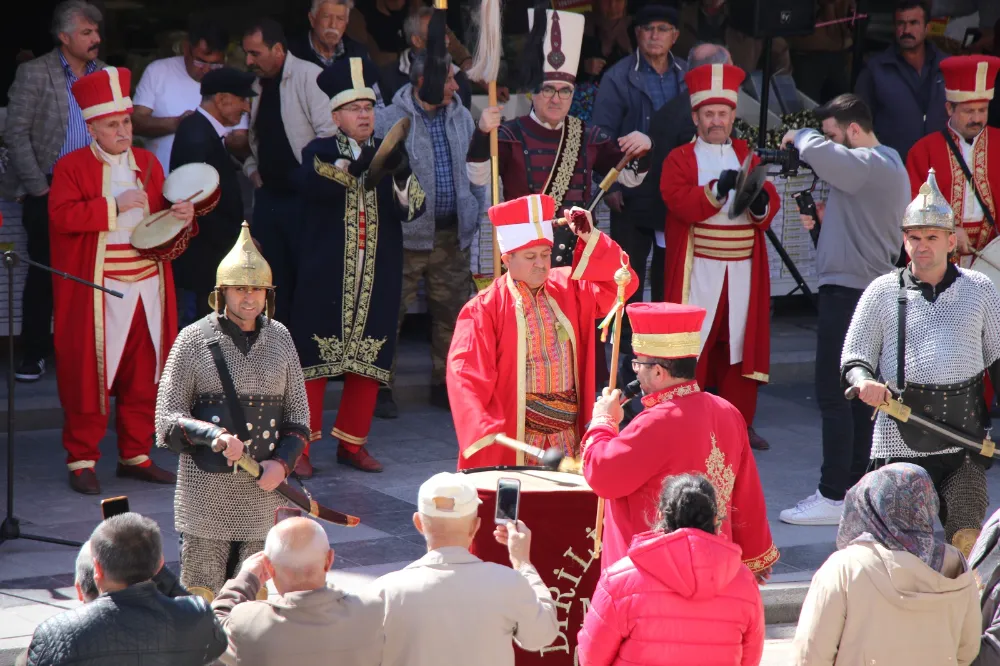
(682, 596)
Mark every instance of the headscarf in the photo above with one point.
(894, 506)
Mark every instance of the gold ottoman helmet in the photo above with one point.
(244, 266)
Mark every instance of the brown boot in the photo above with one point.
(84, 481)
(359, 459)
(756, 441)
(303, 467)
(150, 473)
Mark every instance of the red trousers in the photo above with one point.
(714, 369)
(134, 389)
(354, 415)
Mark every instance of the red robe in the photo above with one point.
(689, 203)
(487, 359)
(933, 151)
(681, 431)
(80, 213)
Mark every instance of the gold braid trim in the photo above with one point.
(757, 564)
(566, 158)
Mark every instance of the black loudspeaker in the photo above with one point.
(773, 18)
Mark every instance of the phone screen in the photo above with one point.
(283, 512)
(508, 497)
(114, 506)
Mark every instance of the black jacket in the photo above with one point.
(197, 141)
(301, 49)
(671, 126)
(133, 627)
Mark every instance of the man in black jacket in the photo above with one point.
(131, 622)
(200, 138)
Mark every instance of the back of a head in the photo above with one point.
(687, 501)
(846, 109)
(84, 574)
(297, 548)
(706, 53)
(128, 548)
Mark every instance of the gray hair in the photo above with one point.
(418, 63)
(68, 12)
(128, 547)
(411, 27)
(715, 54)
(316, 4)
(85, 574)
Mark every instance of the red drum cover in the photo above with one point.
(560, 510)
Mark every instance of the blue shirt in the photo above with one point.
(445, 201)
(661, 87)
(76, 127)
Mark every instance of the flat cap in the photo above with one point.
(228, 80)
(653, 12)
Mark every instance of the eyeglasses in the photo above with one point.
(662, 29)
(638, 364)
(201, 64)
(564, 93)
(358, 108)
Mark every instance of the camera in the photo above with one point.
(788, 159)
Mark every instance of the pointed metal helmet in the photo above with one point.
(929, 209)
(244, 266)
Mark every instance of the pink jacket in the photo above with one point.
(679, 598)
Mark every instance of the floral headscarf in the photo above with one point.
(894, 506)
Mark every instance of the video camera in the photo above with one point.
(788, 159)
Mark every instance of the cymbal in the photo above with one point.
(396, 134)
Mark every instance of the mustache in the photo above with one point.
(907, 35)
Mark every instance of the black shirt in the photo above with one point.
(386, 30)
(275, 160)
(930, 291)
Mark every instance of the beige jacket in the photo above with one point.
(314, 628)
(305, 109)
(878, 607)
(449, 608)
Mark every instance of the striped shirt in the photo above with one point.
(445, 200)
(76, 127)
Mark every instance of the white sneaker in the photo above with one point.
(814, 510)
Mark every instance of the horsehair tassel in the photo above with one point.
(486, 64)
(436, 65)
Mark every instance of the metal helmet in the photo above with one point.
(929, 209)
(244, 266)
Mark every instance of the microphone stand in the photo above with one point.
(10, 528)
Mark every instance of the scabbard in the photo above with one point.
(299, 498)
(902, 413)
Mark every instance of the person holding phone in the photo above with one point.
(449, 604)
(232, 378)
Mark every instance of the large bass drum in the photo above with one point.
(987, 262)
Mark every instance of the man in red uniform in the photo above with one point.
(969, 86)
(521, 361)
(681, 430)
(713, 261)
(107, 345)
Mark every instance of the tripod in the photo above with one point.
(10, 528)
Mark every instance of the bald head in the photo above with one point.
(299, 551)
(708, 54)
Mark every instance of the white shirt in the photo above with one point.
(118, 312)
(168, 89)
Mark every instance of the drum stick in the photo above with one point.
(551, 458)
(163, 214)
(606, 183)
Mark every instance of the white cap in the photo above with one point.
(447, 495)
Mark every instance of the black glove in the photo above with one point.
(360, 165)
(726, 182)
(759, 205)
(398, 161)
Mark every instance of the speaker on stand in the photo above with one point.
(767, 19)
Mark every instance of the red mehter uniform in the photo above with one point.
(715, 262)
(522, 363)
(106, 345)
(681, 430)
(967, 79)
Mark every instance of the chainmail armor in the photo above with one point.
(206, 561)
(948, 341)
(227, 506)
(965, 495)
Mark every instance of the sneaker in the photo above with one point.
(30, 371)
(814, 510)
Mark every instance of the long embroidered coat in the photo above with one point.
(681, 431)
(487, 362)
(82, 212)
(350, 266)
(933, 151)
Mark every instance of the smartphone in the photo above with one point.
(283, 512)
(114, 506)
(508, 500)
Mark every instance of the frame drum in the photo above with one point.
(189, 179)
(162, 236)
(559, 509)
